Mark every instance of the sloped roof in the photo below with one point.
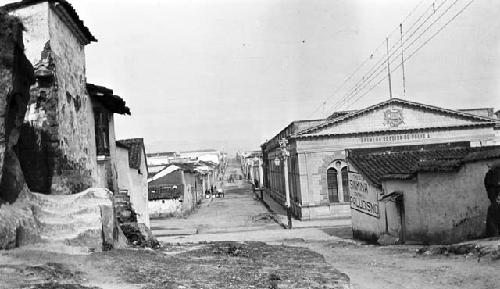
(161, 154)
(166, 171)
(404, 162)
(341, 113)
(105, 96)
(358, 113)
(65, 10)
(292, 128)
(135, 148)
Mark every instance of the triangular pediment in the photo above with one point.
(395, 114)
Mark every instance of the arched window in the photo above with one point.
(333, 191)
(337, 182)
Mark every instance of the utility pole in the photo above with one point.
(402, 59)
(388, 67)
(285, 154)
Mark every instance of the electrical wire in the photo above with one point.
(381, 68)
(365, 61)
(381, 62)
(417, 49)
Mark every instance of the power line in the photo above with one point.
(418, 48)
(382, 61)
(381, 67)
(365, 61)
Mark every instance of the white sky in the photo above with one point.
(231, 74)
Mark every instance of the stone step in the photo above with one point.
(68, 213)
(122, 199)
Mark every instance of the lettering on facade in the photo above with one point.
(395, 137)
(393, 117)
(362, 198)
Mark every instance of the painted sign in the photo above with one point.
(395, 137)
(362, 198)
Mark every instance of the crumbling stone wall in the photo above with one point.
(58, 131)
(16, 76)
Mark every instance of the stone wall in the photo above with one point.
(58, 133)
(16, 75)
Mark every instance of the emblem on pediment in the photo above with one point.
(393, 117)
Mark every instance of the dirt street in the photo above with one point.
(368, 266)
(237, 211)
(234, 242)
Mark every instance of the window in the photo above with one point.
(345, 184)
(337, 182)
(333, 191)
(102, 132)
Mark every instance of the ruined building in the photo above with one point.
(56, 147)
(57, 132)
(16, 75)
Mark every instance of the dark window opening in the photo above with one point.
(345, 184)
(102, 132)
(333, 191)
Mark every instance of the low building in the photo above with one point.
(104, 105)
(430, 194)
(175, 191)
(133, 175)
(317, 167)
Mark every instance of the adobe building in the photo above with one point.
(56, 147)
(176, 190)
(48, 134)
(431, 194)
(317, 167)
(132, 171)
(104, 105)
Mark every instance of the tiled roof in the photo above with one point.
(358, 113)
(105, 96)
(64, 8)
(135, 148)
(161, 154)
(404, 162)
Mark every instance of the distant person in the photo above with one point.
(220, 193)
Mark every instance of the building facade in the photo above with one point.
(317, 167)
(132, 172)
(432, 194)
(176, 190)
(56, 144)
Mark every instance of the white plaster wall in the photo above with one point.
(35, 19)
(444, 207)
(332, 144)
(75, 134)
(164, 208)
(135, 183)
(368, 226)
(74, 125)
(453, 206)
